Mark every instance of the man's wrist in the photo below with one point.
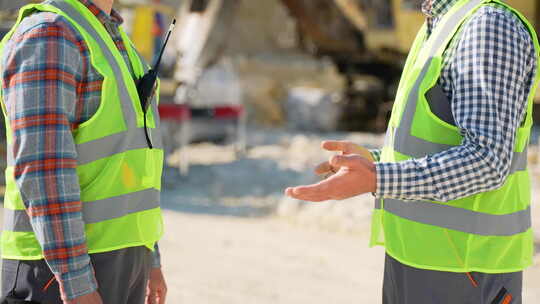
(77, 283)
(156, 257)
(388, 179)
(375, 153)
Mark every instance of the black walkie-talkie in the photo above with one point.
(145, 85)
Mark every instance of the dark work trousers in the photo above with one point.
(407, 285)
(121, 275)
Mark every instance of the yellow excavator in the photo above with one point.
(408, 18)
(378, 36)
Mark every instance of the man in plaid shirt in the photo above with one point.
(493, 50)
(49, 88)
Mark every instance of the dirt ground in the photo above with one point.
(214, 259)
(232, 260)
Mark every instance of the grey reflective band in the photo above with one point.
(117, 143)
(10, 161)
(403, 140)
(127, 105)
(416, 147)
(406, 143)
(378, 203)
(118, 206)
(459, 219)
(111, 145)
(93, 212)
(16, 220)
(519, 161)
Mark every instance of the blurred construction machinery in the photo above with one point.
(366, 39)
(369, 37)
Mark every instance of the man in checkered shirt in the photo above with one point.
(488, 123)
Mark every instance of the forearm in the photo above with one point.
(453, 174)
(49, 186)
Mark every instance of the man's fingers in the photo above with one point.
(309, 190)
(324, 168)
(162, 295)
(347, 147)
(313, 193)
(151, 298)
(336, 145)
(365, 153)
(156, 297)
(350, 161)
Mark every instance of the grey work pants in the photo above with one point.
(122, 276)
(407, 285)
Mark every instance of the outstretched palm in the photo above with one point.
(354, 175)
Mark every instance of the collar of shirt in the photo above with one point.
(103, 17)
(437, 8)
(434, 10)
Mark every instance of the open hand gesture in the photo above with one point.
(353, 174)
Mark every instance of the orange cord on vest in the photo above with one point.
(473, 281)
(507, 299)
(48, 284)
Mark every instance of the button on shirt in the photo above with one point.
(50, 88)
(488, 72)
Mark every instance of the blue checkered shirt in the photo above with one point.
(488, 72)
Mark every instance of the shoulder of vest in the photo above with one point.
(47, 21)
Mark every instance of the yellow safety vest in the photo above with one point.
(488, 232)
(119, 176)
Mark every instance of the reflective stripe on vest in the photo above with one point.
(127, 105)
(110, 145)
(116, 143)
(487, 232)
(415, 147)
(93, 212)
(459, 219)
